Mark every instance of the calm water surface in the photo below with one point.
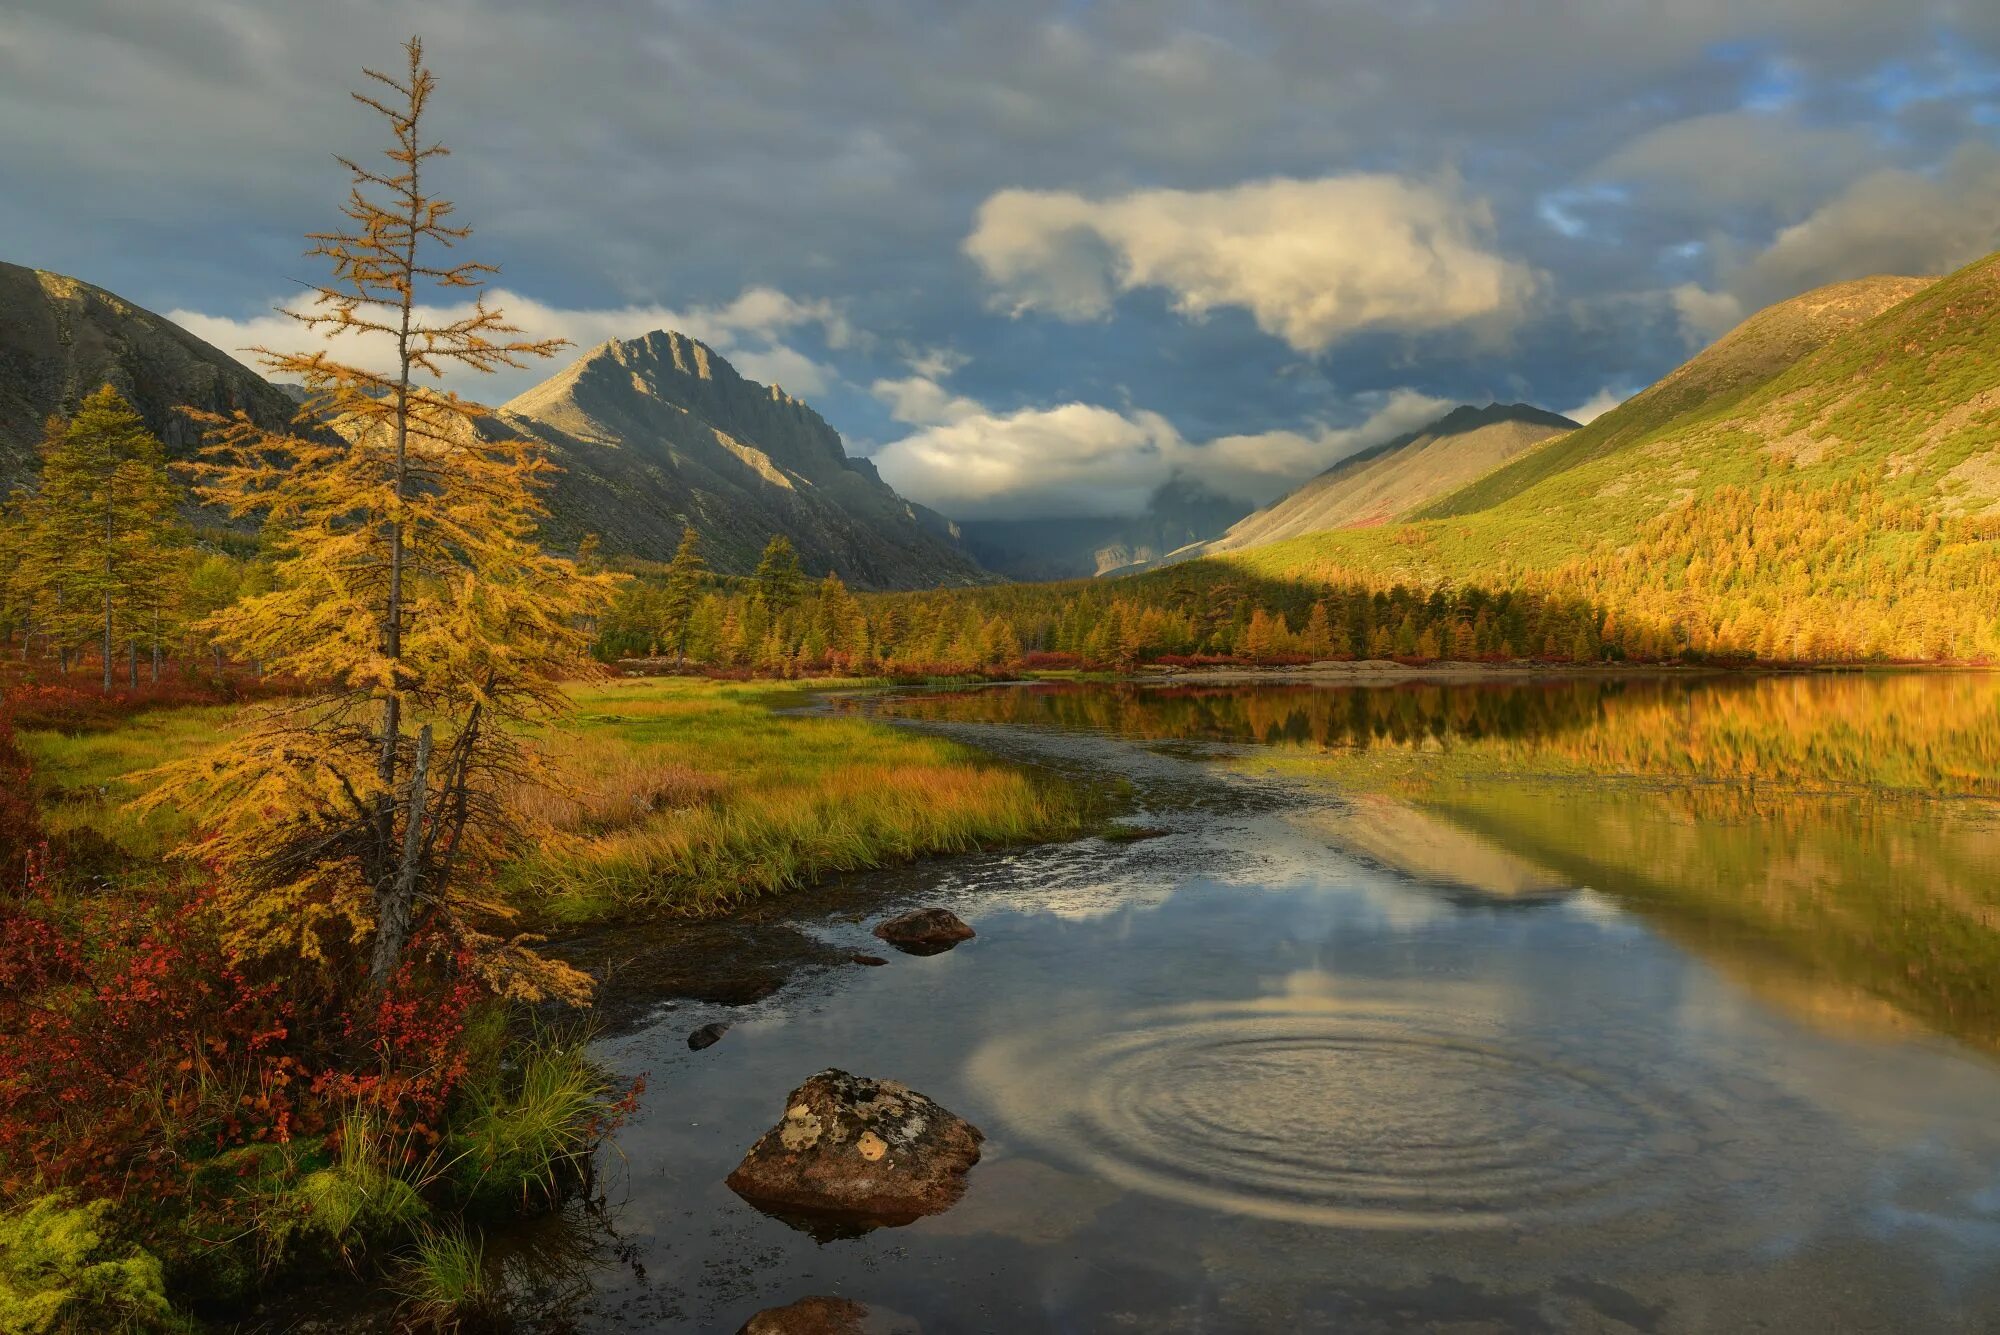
(1595, 1006)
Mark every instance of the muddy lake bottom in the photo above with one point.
(1327, 1056)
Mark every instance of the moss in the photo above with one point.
(59, 1274)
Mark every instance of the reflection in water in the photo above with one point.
(1832, 840)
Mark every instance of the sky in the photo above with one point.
(1035, 257)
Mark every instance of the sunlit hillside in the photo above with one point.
(1843, 504)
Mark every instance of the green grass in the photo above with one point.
(81, 785)
(675, 795)
(530, 1123)
(444, 1281)
(698, 796)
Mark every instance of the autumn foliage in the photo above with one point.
(408, 583)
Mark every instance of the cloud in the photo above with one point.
(1311, 260)
(1740, 159)
(920, 400)
(1598, 404)
(747, 330)
(1086, 459)
(1893, 221)
(1704, 315)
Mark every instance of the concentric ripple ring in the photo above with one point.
(1350, 1117)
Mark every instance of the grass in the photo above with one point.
(530, 1123)
(675, 795)
(695, 796)
(80, 777)
(444, 1281)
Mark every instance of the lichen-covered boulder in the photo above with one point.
(852, 1154)
(924, 931)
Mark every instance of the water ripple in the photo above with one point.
(1381, 1118)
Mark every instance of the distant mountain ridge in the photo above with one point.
(1179, 512)
(661, 431)
(1390, 480)
(653, 433)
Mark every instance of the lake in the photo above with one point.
(1607, 1004)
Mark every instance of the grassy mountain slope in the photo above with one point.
(1844, 503)
(1399, 476)
(1735, 366)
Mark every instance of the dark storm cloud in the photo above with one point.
(1603, 181)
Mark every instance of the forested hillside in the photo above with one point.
(1822, 484)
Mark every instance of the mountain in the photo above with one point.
(653, 433)
(1735, 366)
(1823, 482)
(1401, 475)
(1180, 511)
(60, 339)
(658, 432)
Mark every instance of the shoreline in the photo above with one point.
(1380, 670)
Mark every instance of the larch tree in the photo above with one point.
(101, 529)
(408, 584)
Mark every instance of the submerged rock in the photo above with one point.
(924, 931)
(820, 1315)
(708, 1035)
(854, 1154)
(872, 961)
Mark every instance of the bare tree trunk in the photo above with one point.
(394, 909)
(132, 664)
(156, 646)
(107, 641)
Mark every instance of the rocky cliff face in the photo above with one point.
(658, 432)
(60, 339)
(653, 433)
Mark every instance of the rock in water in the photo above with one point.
(924, 931)
(707, 1036)
(853, 1154)
(872, 961)
(820, 1315)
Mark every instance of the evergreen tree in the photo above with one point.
(780, 580)
(684, 576)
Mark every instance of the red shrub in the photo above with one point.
(133, 1047)
(20, 821)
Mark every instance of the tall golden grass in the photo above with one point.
(689, 797)
(672, 795)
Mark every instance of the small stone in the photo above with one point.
(927, 931)
(872, 961)
(708, 1035)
